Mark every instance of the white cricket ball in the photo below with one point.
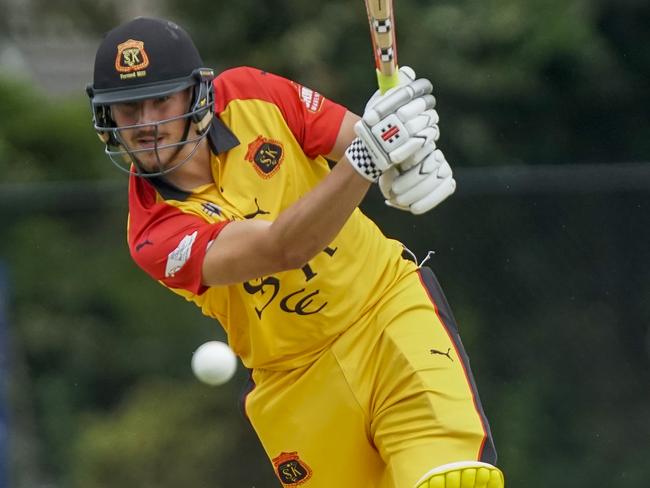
(214, 363)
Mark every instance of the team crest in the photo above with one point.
(131, 59)
(266, 156)
(291, 470)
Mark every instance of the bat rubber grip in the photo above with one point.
(386, 82)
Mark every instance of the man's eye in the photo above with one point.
(162, 99)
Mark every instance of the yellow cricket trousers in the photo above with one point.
(392, 398)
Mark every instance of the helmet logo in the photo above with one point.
(131, 59)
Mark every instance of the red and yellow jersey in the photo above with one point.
(282, 132)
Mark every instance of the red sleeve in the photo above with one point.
(168, 244)
(313, 119)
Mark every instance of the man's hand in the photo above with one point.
(425, 185)
(394, 126)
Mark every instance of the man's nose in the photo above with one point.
(147, 113)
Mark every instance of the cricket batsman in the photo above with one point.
(243, 195)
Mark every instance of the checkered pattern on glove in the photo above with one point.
(360, 158)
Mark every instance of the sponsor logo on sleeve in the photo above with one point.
(179, 256)
(312, 100)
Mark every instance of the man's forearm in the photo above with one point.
(309, 225)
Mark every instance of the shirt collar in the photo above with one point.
(221, 137)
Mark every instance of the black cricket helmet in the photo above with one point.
(149, 58)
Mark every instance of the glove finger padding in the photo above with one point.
(416, 107)
(421, 189)
(421, 120)
(405, 74)
(391, 203)
(386, 182)
(437, 196)
(406, 150)
(416, 142)
(417, 158)
(389, 103)
(427, 166)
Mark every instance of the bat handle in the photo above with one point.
(386, 82)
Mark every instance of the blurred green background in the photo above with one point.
(544, 252)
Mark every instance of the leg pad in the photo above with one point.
(464, 474)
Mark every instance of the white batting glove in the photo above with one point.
(394, 127)
(425, 185)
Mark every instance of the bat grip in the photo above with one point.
(386, 82)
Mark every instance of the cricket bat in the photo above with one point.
(382, 33)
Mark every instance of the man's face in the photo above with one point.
(144, 140)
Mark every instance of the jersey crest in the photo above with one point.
(291, 470)
(266, 156)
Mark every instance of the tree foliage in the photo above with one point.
(517, 82)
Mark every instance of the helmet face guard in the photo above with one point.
(198, 116)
